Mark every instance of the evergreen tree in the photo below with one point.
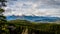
(2, 18)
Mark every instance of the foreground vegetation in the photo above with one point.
(27, 27)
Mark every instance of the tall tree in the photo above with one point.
(2, 4)
(2, 18)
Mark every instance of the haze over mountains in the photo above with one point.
(34, 18)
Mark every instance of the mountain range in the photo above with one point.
(34, 18)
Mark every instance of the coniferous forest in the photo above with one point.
(24, 26)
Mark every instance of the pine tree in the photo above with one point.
(2, 17)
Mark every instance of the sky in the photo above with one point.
(33, 8)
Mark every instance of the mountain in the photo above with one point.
(34, 18)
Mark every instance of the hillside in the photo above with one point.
(30, 27)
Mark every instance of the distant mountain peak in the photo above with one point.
(34, 18)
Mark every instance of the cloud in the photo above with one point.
(33, 7)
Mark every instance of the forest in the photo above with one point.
(27, 27)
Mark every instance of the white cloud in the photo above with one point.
(33, 7)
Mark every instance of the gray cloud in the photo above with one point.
(33, 7)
